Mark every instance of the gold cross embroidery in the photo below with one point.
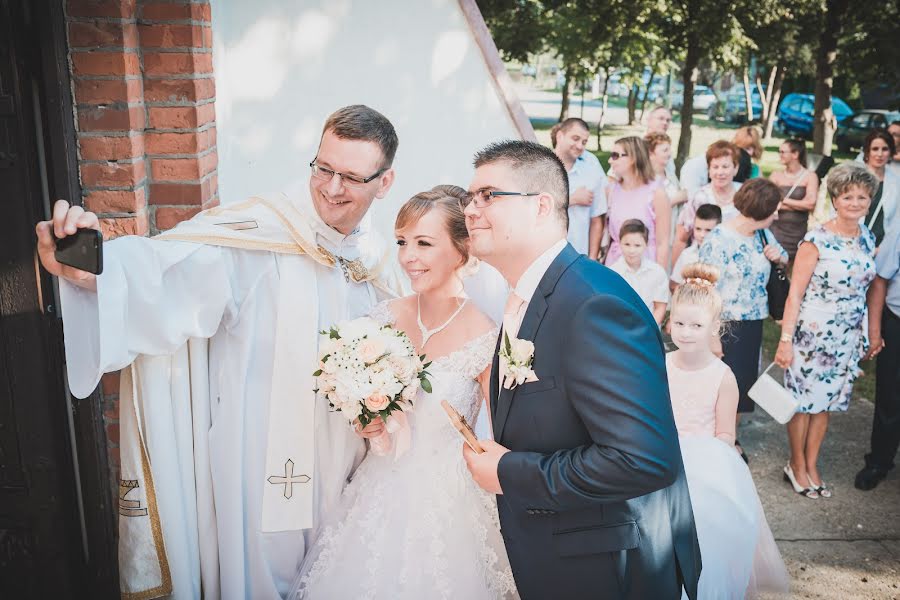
(289, 479)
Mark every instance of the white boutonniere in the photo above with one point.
(516, 358)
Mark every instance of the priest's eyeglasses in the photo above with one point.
(485, 197)
(347, 180)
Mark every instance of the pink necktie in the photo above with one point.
(512, 314)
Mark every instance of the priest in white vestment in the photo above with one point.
(218, 319)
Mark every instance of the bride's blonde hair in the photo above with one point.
(445, 198)
(699, 289)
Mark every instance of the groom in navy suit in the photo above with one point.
(586, 465)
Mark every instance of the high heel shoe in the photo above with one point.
(810, 492)
(821, 488)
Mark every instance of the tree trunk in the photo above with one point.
(632, 103)
(824, 123)
(748, 97)
(647, 91)
(606, 74)
(773, 95)
(688, 78)
(765, 94)
(564, 105)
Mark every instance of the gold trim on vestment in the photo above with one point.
(231, 242)
(354, 269)
(165, 587)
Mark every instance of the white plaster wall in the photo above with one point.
(282, 66)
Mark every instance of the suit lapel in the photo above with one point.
(537, 308)
(495, 375)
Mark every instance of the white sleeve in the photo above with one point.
(151, 298)
(661, 287)
(679, 266)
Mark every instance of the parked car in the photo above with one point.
(795, 114)
(703, 98)
(734, 109)
(854, 130)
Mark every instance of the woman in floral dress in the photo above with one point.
(737, 249)
(822, 331)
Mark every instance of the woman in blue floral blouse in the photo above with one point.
(736, 248)
(822, 337)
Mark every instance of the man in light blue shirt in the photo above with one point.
(884, 339)
(587, 186)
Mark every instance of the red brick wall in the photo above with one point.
(145, 115)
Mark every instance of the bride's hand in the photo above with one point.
(372, 430)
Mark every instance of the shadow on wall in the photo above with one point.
(282, 66)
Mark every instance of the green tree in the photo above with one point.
(824, 122)
(699, 30)
(584, 35)
(781, 39)
(868, 51)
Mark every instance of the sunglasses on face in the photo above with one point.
(616, 155)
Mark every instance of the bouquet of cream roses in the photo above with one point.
(368, 370)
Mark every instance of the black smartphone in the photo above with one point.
(82, 250)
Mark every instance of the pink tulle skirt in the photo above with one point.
(740, 558)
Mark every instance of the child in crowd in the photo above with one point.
(708, 216)
(647, 278)
(740, 558)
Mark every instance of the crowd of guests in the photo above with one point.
(716, 233)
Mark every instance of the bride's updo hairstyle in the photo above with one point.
(699, 289)
(445, 198)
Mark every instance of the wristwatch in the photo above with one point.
(786, 337)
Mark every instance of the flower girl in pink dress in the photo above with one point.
(740, 558)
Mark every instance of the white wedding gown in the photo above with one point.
(417, 526)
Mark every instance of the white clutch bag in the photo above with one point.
(770, 394)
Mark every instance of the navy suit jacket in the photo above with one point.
(595, 502)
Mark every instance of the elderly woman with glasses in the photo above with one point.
(637, 196)
(822, 337)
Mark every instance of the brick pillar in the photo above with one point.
(145, 98)
(145, 117)
(179, 92)
(111, 116)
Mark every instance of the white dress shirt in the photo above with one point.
(649, 280)
(585, 173)
(531, 278)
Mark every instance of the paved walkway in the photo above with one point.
(847, 546)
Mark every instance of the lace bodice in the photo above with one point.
(452, 376)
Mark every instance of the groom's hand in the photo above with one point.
(483, 467)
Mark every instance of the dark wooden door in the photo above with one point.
(48, 531)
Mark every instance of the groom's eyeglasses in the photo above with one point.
(484, 197)
(347, 180)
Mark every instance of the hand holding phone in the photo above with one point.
(67, 221)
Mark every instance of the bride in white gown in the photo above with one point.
(416, 526)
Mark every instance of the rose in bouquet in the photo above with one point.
(367, 371)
